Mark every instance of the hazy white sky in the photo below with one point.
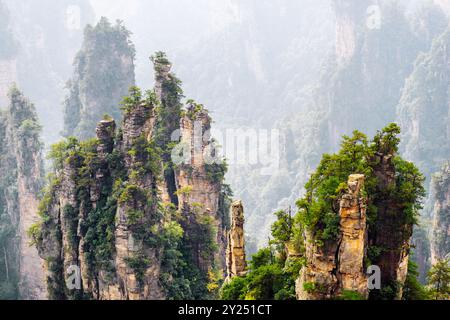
(115, 9)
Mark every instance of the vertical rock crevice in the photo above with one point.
(440, 243)
(335, 267)
(21, 162)
(236, 260)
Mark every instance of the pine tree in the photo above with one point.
(439, 280)
(412, 289)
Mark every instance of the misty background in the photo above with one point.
(271, 64)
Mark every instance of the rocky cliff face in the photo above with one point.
(440, 244)
(391, 232)
(200, 179)
(338, 267)
(423, 117)
(109, 212)
(236, 261)
(47, 35)
(21, 163)
(350, 19)
(360, 88)
(349, 226)
(103, 72)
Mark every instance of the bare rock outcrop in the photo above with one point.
(339, 266)
(198, 188)
(22, 168)
(122, 213)
(440, 244)
(236, 261)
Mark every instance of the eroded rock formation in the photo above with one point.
(354, 237)
(103, 72)
(440, 244)
(350, 18)
(338, 266)
(121, 210)
(197, 176)
(22, 168)
(236, 261)
(392, 232)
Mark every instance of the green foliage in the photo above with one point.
(439, 280)
(412, 289)
(147, 156)
(194, 109)
(132, 193)
(159, 59)
(409, 189)
(139, 264)
(216, 171)
(103, 72)
(135, 98)
(134, 216)
(272, 274)
(386, 141)
(71, 218)
(235, 290)
(20, 152)
(30, 129)
(312, 287)
(319, 209)
(373, 253)
(185, 191)
(350, 295)
(170, 109)
(60, 151)
(99, 238)
(282, 228)
(268, 279)
(389, 291)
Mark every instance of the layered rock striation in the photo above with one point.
(103, 72)
(440, 243)
(236, 261)
(131, 221)
(21, 163)
(339, 267)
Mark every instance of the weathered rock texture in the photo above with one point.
(66, 239)
(391, 233)
(21, 165)
(236, 261)
(337, 267)
(440, 244)
(354, 237)
(108, 209)
(103, 73)
(203, 188)
(424, 121)
(350, 17)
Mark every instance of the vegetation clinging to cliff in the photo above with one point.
(319, 209)
(319, 215)
(20, 148)
(103, 72)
